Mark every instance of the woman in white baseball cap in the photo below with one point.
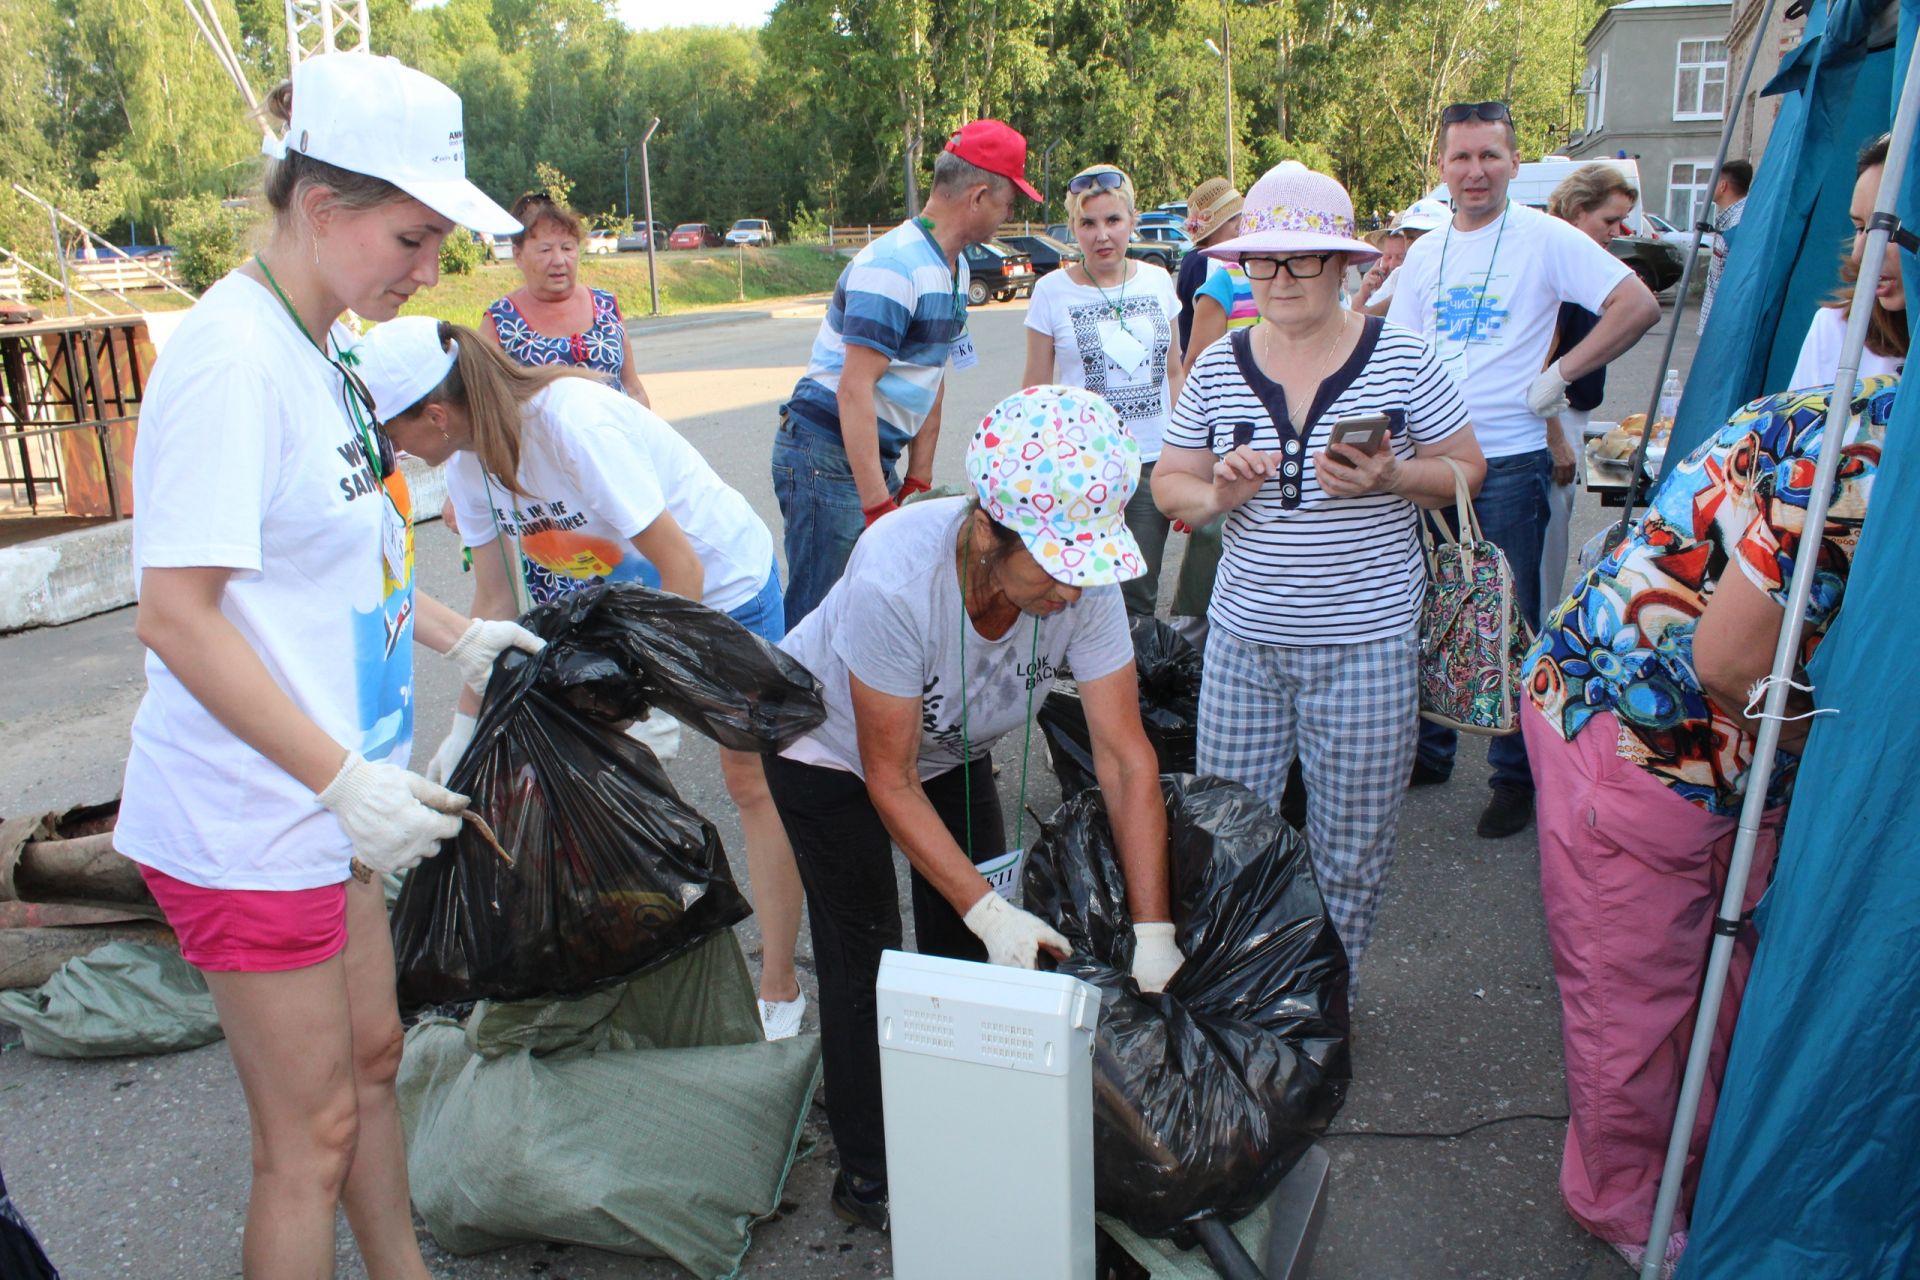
(273, 553)
(563, 482)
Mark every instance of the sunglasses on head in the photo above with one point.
(1103, 180)
(1302, 266)
(1491, 112)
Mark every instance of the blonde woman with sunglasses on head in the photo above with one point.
(1110, 324)
(273, 554)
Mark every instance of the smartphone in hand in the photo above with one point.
(1355, 436)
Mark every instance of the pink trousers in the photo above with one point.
(1630, 875)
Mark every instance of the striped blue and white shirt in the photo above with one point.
(898, 297)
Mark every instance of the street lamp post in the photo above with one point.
(1046, 179)
(1224, 52)
(646, 201)
(626, 183)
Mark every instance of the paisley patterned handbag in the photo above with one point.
(1472, 635)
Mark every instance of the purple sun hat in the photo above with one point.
(1292, 209)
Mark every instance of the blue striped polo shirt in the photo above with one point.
(899, 298)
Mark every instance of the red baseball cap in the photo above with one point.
(997, 147)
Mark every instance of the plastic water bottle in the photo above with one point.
(1670, 395)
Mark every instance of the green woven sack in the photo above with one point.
(649, 1119)
(118, 999)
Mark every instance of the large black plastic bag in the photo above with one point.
(1169, 671)
(613, 872)
(1205, 1095)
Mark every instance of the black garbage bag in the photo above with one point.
(1204, 1095)
(613, 872)
(1169, 672)
(21, 1257)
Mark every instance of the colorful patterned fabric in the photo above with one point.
(1623, 641)
(1055, 465)
(603, 346)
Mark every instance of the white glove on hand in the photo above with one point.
(1013, 937)
(1548, 394)
(452, 747)
(1156, 956)
(485, 640)
(394, 818)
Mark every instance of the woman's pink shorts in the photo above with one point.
(252, 930)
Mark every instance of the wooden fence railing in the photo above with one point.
(858, 236)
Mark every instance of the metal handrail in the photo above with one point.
(106, 244)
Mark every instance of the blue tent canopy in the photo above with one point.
(1785, 261)
(1813, 1167)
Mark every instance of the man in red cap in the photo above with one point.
(872, 388)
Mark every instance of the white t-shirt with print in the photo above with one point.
(1299, 566)
(894, 619)
(596, 468)
(1492, 318)
(1114, 344)
(1820, 353)
(246, 460)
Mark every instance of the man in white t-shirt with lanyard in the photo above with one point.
(1486, 290)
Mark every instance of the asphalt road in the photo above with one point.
(138, 1167)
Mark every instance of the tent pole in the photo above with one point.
(1637, 466)
(1726, 925)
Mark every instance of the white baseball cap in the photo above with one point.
(401, 361)
(380, 117)
(1427, 214)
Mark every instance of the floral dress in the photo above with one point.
(1623, 641)
(602, 347)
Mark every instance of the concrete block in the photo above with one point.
(74, 575)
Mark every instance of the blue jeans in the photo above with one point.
(764, 615)
(821, 507)
(1513, 509)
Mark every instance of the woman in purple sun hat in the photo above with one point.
(1313, 644)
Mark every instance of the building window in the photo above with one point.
(1689, 188)
(1700, 80)
(1593, 87)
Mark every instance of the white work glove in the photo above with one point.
(485, 640)
(1548, 394)
(1013, 937)
(1156, 956)
(394, 818)
(452, 747)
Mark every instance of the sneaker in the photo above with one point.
(861, 1201)
(1427, 775)
(780, 1019)
(1508, 812)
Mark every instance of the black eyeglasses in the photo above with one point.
(1103, 179)
(1491, 112)
(1302, 266)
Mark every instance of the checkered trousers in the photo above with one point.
(1351, 712)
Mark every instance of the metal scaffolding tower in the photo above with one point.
(325, 26)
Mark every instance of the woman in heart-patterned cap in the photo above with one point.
(926, 656)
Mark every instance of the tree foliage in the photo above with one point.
(832, 108)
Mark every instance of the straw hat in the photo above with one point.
(1292, 209)
(1210, 204)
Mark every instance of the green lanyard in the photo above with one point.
(966, 735)
(1485, 280)
(1115, 307)
(959, 298)
(351, 395)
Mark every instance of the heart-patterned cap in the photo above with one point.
(1057, 466)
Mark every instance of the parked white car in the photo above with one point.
(602, 242)
(755, 233)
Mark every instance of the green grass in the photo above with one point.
(689, 280)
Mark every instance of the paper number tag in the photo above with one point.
(393, 541)
(1003, 872)
(1126, 351)
(964, 356)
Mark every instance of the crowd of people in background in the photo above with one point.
(1471, 335)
